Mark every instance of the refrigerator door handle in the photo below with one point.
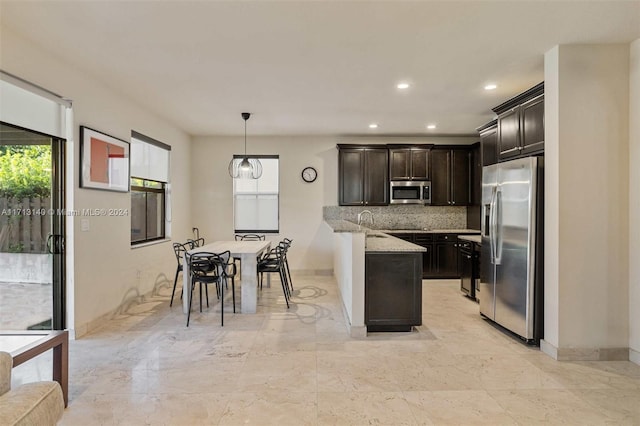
(498, 232)
(492, 227)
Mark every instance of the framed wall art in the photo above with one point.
(104, 161)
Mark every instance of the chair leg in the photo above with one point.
(175, 281)
(233, 293)
(190, 300)
(200, 290)
(206, 291)
(286, 264)
(285, 281)
(221, 305)
(284, 290)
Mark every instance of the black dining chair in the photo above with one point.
(199, 242)
(248, 237)
(211, 268)
(274, 262)
(286, 244)
(179, 250)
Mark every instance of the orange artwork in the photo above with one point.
(101, 152)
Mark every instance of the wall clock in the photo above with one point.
(309, 174)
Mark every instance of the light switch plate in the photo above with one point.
(84, 225)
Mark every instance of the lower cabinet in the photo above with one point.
(393, 291)
(426, 241)
(446, 256)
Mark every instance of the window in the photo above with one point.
(147, 210)
(150, 202)
(255, 201)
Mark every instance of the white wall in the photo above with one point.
(300, 203)
(634, 202)
(106, 268)
(586, 205)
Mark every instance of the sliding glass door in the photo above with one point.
(32, 230)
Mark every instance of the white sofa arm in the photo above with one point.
(32, 404)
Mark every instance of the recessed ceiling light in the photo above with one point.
(402, 85)
(373, 126)
(490, 86)
(431, 126)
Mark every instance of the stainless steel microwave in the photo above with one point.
(410, 192)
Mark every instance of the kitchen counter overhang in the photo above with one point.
(375, 240)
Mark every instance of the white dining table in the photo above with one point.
(247, 252)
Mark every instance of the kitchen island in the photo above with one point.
(379, 278)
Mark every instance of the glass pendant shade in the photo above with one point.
(245, 167)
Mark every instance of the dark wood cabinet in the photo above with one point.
(509, 134)
(489, 143)
(426, 241)
(467, 272)
(393, 291)
(532, 125)
(446, 256)
(450, 176)
(474, 208)
(409, 163)
(363, 176)
(442, 258)
(521, 124)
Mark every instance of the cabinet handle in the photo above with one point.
(455, 245)
(453, 202)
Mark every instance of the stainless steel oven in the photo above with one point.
(410, 192)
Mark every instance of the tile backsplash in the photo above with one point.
(403, 216)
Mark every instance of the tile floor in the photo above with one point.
(299, 367)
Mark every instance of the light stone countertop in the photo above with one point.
(339, 225)
(375, 241)
(432, 231)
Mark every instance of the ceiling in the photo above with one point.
(317, 67)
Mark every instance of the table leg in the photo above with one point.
(249, 283)
(61, 368)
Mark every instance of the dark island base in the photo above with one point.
(385, 328)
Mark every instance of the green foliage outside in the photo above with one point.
(25, 171)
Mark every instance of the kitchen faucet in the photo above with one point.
(361, 214)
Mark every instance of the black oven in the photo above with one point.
(410, 192)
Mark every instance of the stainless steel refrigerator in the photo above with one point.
(512, 261)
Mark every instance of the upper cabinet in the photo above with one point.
(450, 176)
(489, 143)
(520, 125)
(409, 163)
(363, 175)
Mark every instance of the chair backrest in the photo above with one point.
(195, 243)
(275, 255)
(179, 250)
(202, 263)
(250, 237)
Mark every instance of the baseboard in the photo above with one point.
(548, 349)
(91, 326)
(313, 272)
(585, 354)
(634, 356)
(96, 323)
(358, 332)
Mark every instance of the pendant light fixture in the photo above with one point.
(245, 167)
